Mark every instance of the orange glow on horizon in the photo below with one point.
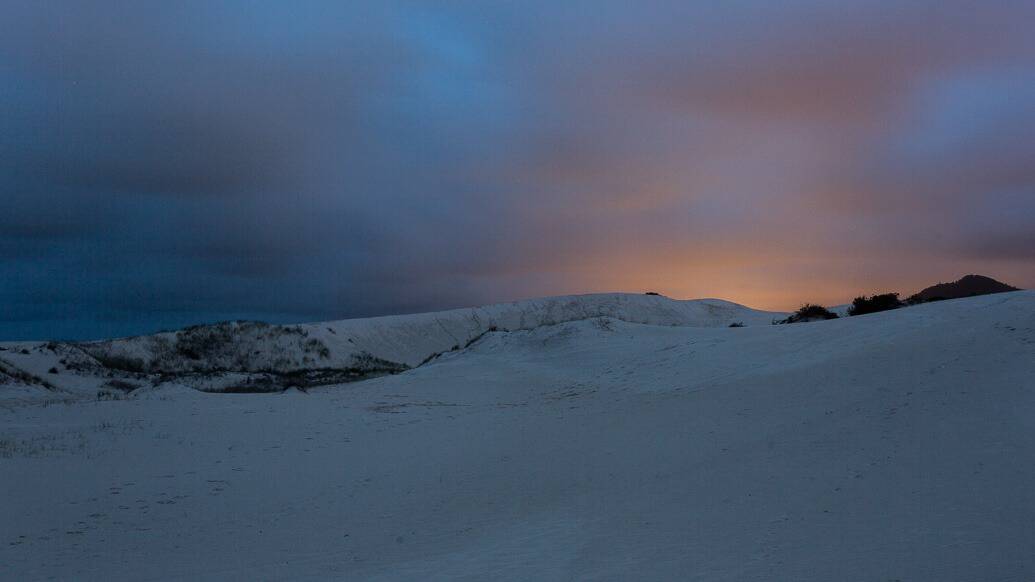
(771, 283)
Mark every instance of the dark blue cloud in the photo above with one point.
(167, 163)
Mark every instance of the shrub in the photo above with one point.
(52, 370)
(737, 324)
(121, 385)
(652, 293)
(318, 346)
(810, 312)
(123, 363)
(875, 303)
(25, 377)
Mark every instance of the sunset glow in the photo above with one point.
(358, 159)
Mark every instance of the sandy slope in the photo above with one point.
(237, 354)
(410, 339)
(894, 446)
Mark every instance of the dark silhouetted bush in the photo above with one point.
(121, 385)
(809, 312)
(737, 324)
(875, 303)
(652, 293)
(120, 362)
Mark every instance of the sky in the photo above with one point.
(170, 163)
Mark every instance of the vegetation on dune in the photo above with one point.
(809, 312)
(875, 303)
(245, 346)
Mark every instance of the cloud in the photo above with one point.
(193, 161)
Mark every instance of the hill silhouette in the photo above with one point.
(968, 286)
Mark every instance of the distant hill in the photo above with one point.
(968, 286)
(248, 356)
